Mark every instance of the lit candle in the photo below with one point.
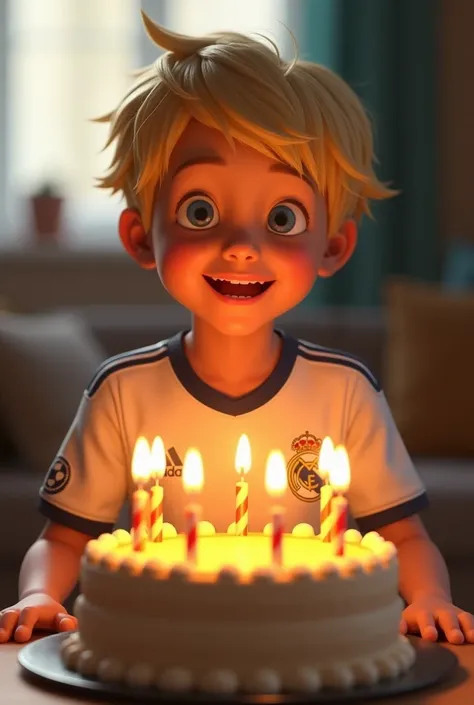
(276, 483)
(157, 469)
(140, 497)
(324, 466)
(193, 479)
(340, 477)
(243, 461)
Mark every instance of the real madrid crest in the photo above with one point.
(303, 478)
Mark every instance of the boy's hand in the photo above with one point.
(425, 615)
(37, 611)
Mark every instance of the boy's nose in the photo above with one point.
(242, 250)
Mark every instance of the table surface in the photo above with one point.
(457, 690)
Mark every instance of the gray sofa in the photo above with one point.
(450, 482)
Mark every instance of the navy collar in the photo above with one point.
(233, 406)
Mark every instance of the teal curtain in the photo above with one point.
(386, 50)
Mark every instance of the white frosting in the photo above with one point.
(284, 629)
(205, 528)
(110, 670)
(140, 675)
(303, 530)
(178, 680)
(169, 531)
(220, 681)
(265, 680)
(305, 680)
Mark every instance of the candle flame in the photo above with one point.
(193, 472)
(158, 457)
(243, 455)
(325, 457)
(276, 480)
(340, 472)
(141, 461)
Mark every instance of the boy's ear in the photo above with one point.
(339, 249)
(135, 239)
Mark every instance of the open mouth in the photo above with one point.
(235, 289)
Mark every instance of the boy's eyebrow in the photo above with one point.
(282, 168)
(277, 168)
(204, 159)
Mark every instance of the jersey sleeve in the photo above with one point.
(86, 485)
(385, 487)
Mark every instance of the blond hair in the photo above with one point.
(298, 112)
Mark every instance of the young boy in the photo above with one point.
(244, 177)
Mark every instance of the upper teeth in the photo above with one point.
(235, 281)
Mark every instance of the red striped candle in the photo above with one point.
(277, 535)
(140, 497)
(242, 508)
(139, 519)
(191, 519)
(193, 480)
(325, 513)
(158, 468)
(340, 477)
(156, 514)
(243, 462)
(339, 507)
(276, 482)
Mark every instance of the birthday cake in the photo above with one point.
(235, 622)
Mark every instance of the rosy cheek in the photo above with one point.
(299, 266)
(174, 259)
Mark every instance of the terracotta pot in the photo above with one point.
(47, 217)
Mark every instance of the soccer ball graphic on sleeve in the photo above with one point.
(58, 476)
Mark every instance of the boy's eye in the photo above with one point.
(195, 213)
(287, 219)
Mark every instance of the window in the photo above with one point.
(67, 61)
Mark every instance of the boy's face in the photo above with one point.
(238, 237)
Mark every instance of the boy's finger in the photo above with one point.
(466, 621)
(426, 625)
(448, 621)
(26, 623)
(8, 622)
(64, 622)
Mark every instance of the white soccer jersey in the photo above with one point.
(313, 392)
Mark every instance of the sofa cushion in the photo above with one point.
(450, 487)
(429, 375)
(46, 362)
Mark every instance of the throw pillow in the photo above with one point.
(429, 368)
(46, 361)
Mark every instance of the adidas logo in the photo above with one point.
(174, 464)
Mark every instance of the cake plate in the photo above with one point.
(41, 663)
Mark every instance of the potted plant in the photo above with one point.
(47, 211)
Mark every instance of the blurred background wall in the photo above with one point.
(65, 61)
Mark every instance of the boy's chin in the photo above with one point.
(239, 326)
